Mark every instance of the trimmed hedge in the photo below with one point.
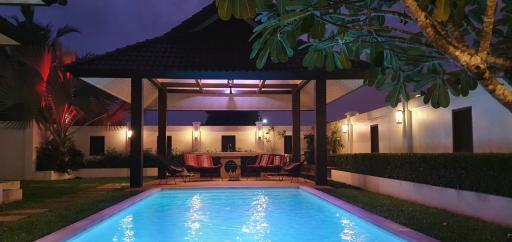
(116, 159)
(485, 173)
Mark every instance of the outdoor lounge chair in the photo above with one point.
(292, 170)
(172, 172)
(203, 164)
(267, 163)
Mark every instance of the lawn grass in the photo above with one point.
(436, 223)
(35, 193)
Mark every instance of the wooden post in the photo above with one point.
(320, 132)
(137, 125)
(296, 126)
(162, 132)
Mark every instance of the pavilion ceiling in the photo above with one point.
(205, 94)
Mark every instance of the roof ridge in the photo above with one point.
(195, 17)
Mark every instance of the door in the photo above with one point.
(228, 143)
(462, 122)
(374, 134)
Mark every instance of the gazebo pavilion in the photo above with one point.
(203, 64)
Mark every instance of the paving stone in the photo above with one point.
(28, 211)
(11, 218)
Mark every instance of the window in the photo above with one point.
(288, 147)
(374, 135)
(228, 143)
(169, 145)
(97, 145)
(462, 130)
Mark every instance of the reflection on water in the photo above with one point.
(257, 224)
(125, 230)
(348, 233)
(195, 217)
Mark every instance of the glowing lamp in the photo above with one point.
(196, 132)
(259, 130)
(344, 128)
(265, 121)
(399, 117)
(129, 133)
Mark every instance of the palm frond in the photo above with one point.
(65, 30)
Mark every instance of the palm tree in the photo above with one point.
(34, 86)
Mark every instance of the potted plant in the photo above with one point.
(334, 143)
(309, 152)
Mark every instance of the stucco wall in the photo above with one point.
(18, 152)
(495, 209)
(432, 128)
(182, 137)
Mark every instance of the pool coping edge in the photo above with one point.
(82, 225)
(74, 229)
(381, 222)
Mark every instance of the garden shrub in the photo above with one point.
(51, 157)
(116, 159)
(486, 173)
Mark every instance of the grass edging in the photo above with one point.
(437, 223)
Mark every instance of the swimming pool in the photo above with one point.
(234, 214)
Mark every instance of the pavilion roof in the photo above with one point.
(201, 47)
(7, 33)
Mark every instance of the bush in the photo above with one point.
(50, 157)
(486, 173)
(116, 159)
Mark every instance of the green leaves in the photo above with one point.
(242, 9)
(442, 10)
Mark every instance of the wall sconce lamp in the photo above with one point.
(196, 130)
(399, 116)
(129, 133)
(259, 130)
(344, 128)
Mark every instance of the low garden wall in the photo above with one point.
(476, 185)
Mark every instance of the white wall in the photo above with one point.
(432, 128)
(491, 208)
(182, 137)
(492, 125)
(18, 152)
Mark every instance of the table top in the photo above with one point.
(233, 154)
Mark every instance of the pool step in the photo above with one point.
(10, 191)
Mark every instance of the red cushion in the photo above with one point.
(278, 160)
(263, 160)
(204, 161)
(190, 160)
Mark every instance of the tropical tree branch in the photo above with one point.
(472, 62)
(485, 40)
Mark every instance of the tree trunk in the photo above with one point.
(469, 59)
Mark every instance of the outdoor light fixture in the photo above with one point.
(196, 132)
(129, 133)
(259, 130)
(230, 84)
(344, 128)
(399, 117)
(265, 121)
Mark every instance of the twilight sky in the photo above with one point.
(109, 24)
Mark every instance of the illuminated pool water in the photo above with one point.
(234, 214)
